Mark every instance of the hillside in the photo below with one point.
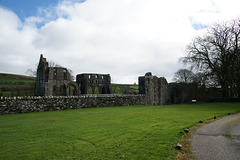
(124, 88)
(16, 85)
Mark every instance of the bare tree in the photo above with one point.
(217, 54)
(183, 76)
(53, 64)
(31, 72)
(71, 74)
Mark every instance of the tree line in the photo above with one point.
(216, 58)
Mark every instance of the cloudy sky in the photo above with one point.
(125, 38)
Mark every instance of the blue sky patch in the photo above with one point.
(197, 26)
(28, 8)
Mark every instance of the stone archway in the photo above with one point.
(94, 89)
(73, 89)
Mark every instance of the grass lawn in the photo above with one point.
(132, 132)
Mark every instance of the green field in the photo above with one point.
(123, 88)
(132, 132)
(16, 85)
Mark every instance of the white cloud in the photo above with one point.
(15, 43)
(124, 38)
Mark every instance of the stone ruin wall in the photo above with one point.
(56, 81)
(152, 91)
(53, 81)
(10, 105)
(155, 89)
(94, 82)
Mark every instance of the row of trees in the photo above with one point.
(187, 76)
(216, 56)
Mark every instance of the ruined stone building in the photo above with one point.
(94, 83)
(155, 89)
(54, 81)
(158, 91)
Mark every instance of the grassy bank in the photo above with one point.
(16, 85)
(124, 88)
(132, 132)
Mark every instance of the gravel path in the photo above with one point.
(219, 140)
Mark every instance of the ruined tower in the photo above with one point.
(54, 81)
(41, 77)
(155, 89)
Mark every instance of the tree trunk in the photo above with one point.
(225, 91)
(238, 90)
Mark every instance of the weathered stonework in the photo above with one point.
(54, 81)
(54, 89)
(41, 77)
(38, 104)
(155, 89)
(164, 91)
(152, 91)
(97, 83)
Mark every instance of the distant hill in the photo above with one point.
(124, 88)
(16, 85)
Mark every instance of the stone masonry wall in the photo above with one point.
(155, 89)
(38, 104)
(164, 96)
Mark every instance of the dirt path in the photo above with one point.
(219, 140)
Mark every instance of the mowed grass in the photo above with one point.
(131, 132)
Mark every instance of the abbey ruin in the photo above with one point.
(56, 81)
(55, 90)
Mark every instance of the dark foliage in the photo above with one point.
(217, 55)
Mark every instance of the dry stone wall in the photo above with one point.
(38, 104)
